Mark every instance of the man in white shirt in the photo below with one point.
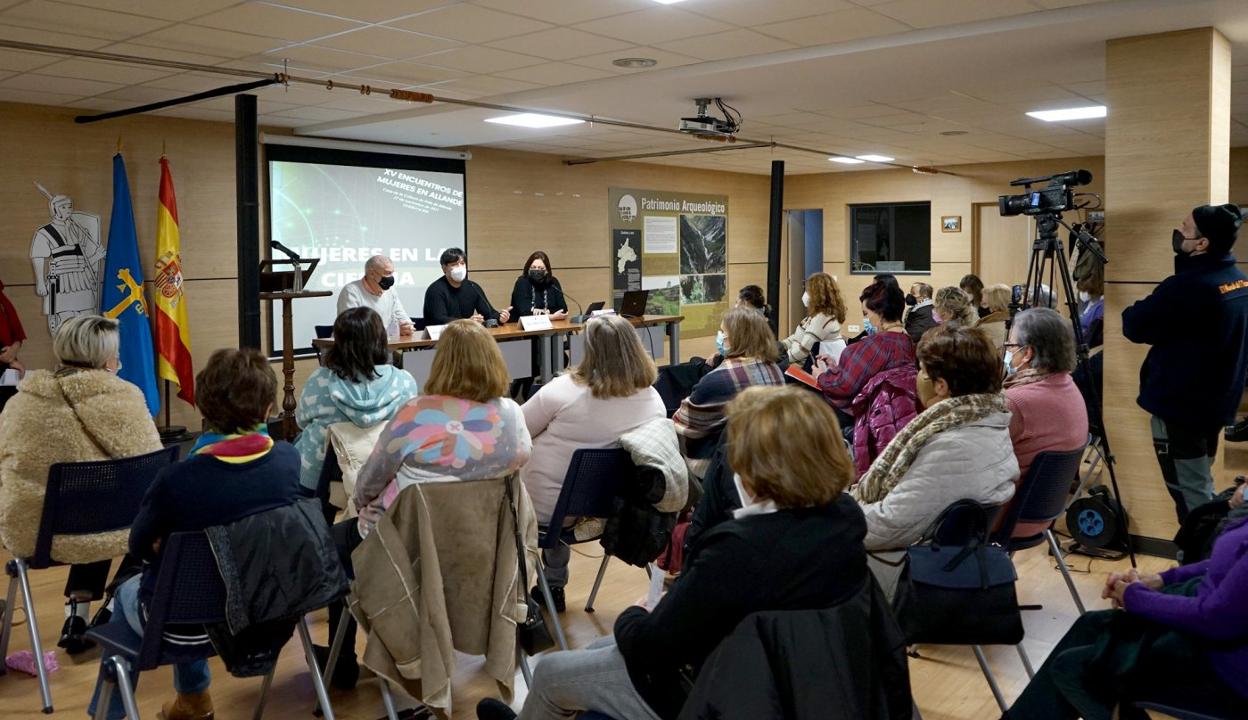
(373, 290)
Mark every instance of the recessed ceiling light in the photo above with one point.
(1079, 113)
(668, 2)
(635, 62)
(953, 133)
(876, 158)
(847, 160)
(533, 120)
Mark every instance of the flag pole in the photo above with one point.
(170, 434)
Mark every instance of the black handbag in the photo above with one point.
(958, 594)
(532, 635)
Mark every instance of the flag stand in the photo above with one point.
(170, 434)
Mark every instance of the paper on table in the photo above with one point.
(656, 588)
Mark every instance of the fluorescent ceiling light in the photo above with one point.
(847, 160)
(533, 120)
(1079, 113)
(668, 2)
(876, 158)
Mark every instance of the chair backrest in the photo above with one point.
(189, 591)
(85, 498)
(1042, 495)
(963, 520)
(594, 479)
(323, 331)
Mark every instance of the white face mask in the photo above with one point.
(1009, 360)
(806, 299)
(746, 498)
(459, 272)
(1085, 296)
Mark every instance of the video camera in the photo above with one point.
(1054, 198)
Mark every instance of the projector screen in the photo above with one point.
(345, 206)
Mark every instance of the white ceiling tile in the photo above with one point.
(469, 23)
(208, 41)
(352, 100)
(321, 58)
(926, 13)
(730, 44)
(74, 19)
(147, 51)
(407, 74)
(22, 61)
(139, 94)
(193, 82)
(555, 73)
(388, 42)
(49, 37)
(748, 13)
(488, 85)
(34, 97)
(560, 44)
(120, 73)
(603, 61)
(366, 10)
(563, 12)
(317, 114)
(655, 25)
(60, 86)
(1066, 3)
(163, 9)
(478, 59)
(274, 21)
(834, 27)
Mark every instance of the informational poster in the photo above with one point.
(675, 245)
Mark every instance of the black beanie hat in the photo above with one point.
(1220, 224)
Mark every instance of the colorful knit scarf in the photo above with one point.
(235, 447)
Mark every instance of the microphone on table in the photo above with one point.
(580, 316)
(285, 250)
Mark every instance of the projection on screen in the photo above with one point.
(344, 214)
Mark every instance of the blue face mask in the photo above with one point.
(1009, 357)
(867, 327)
(719, 344)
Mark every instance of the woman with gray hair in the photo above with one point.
(81, 411)
(1048, 411)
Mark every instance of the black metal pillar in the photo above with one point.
(247, 186)
(774, 221)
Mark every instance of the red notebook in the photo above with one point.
(800, 375)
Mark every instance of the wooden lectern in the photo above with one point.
(280, 286)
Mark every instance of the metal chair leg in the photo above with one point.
(387, 699)
(602, 570)
(523, 662)
(550, 603)
(1061, 565)
(335, 647)
(36, 647)
(992, 681)
(126, 687)
(106, 691)
(264, 693)
(7, 629)
(305, 636)
(1022, 655)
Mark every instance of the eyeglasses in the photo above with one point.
(1013, 345)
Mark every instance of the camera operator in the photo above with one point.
(1193, 377)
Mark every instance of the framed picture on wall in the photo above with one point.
(951, 223)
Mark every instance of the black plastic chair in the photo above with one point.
(83, 498)
(1042, 498)
(1189, 710)
(593, 481)
(189, 591)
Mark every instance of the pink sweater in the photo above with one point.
(1048, 415)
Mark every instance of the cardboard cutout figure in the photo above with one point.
(66, 254)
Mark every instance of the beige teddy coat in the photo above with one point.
(86, 415)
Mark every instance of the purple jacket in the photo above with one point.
(885, 405)
(1216, 613)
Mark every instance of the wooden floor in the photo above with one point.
(947, 682)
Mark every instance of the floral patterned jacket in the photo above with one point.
(438, 438)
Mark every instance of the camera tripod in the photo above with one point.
(1048, 256)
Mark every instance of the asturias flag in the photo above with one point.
(173, 333)
(122, 298)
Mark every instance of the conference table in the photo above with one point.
(550, 343)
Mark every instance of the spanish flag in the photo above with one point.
(173, 332)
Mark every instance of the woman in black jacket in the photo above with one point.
(794, 544)
(537, 290)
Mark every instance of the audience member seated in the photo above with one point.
(462, 428)
(974, 289)
(919, 316)
(751, 296)
(795, 544)
(454, 297)
(954, 305)
(750, 351)
(537, 290)
(234, 470)
(1092, 315)
(356, 384)
(1047, 411)
(12, 335)
(78, 413)
(873, 384)
(1181, 635)
(958, 448)
(608, 394)
(825, 311)
(997, 301)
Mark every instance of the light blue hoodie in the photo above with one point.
(327, 399)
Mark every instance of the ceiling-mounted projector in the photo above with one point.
(707, 126)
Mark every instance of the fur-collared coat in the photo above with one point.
(76, 417)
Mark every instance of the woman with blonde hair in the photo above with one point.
(825, 311)
(750, 354)
(794, 544)
(590, 406)
(997, 301)
(461, 428)
(954, 305)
